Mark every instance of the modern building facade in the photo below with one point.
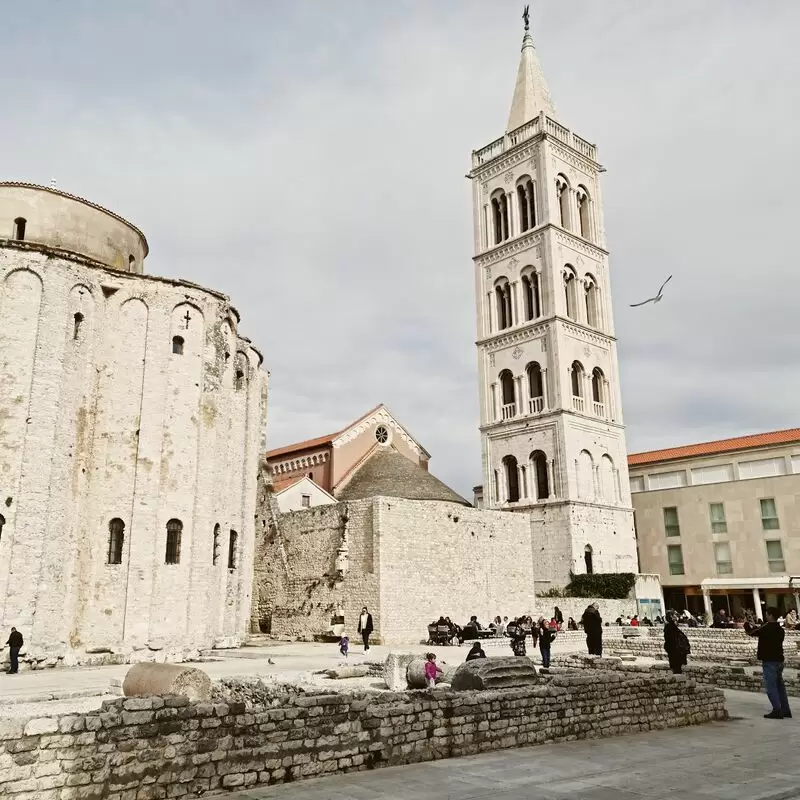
(553, 440)
(131, 411)
(720, 521)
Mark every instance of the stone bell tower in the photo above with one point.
(553, 441)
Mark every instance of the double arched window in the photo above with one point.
(592, 300)
(509, 405)
(563, 194)
(577, 380)
(512, 478)
(570, 292)
(535, 388)
(539, 473)
(584, 212)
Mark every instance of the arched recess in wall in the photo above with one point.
(588, 559)
(585, 475)
(240, 372)
(607, 481)
(187, 325)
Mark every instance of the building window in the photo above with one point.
(769, 515)
(583, 212)
(587, 559)
(216, 546)
(535, 388)
(502, 293)
(570, 282)
(116, 539)
(177, 345)
(722, 555)
(77, 319)
(527, 205)
(500, 217)
(718, 473)
(576, 380)
(762, 468)
(2, 525)
(562, 192)
(533, 297)
(796, 465)
(305, 501)
(19, 228)
(671, 525)
(232, 559)
(637, 483)
(775, 556)
(598, 392)
(509, 408)
(512, 478)
(539, 461)
(716, 512)
(675, 559)
(667, 480)
(382, 434)
(173, 553)
(131, 263)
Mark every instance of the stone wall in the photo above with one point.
(103, 421)
(159, 747)
(408, 561)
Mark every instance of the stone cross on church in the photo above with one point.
(553, 442)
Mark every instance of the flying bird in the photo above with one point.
(656, 299)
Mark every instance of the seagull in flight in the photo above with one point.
(656, 299)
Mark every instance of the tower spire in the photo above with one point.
(531, 94)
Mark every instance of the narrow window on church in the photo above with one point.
(583, 212)
(507, 389)
(497, 486)
(173, 552)
(19, 228)
(588, 560)
(177, 345)
(598, 392)
(504, 215)
(2, 524)
(522, 201)
(216, 546)
(562, 190)
(577, 378)
(535, 388)
(116, 540)
(234, 537)
(531, 204)
(569, 293)
(539, 462)
(131, 263)
(497, 221)
(76, 325)
(512, 478)
(530, 287)
(239, 384)
(592, 303)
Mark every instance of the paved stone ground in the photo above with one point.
(747, 758)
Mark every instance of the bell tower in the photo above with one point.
(552, 436)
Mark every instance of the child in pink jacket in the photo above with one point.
(431, 670)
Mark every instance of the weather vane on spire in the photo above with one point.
(526, 16)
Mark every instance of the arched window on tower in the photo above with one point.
(532, 295)
(587, 559)
(173, 549)
(570, 292)
(177, 345)
(535, 388)
(592, 299)
(584, 212)
(577, 378)
(585, 475)
(608, 481)
(502, 292)
(507, 390)
(116, 540)
(19, 228)
(500, 224)
(526, 204)
(77, 321)
(598, 392)
(512, 478)
(562, 192)
(540, 476)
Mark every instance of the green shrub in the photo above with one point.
(609, 586)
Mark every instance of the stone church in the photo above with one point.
(131, 412)
(552, 434)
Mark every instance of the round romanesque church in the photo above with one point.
(131, 415)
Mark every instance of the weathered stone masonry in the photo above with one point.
(141, 748)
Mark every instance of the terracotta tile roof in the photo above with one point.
(284, 483)
(716, 448)
(307, 444)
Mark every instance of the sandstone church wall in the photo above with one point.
(132, 399)
(166, 746)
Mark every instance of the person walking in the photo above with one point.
(770, 654)
(593, 627)
(14, 643)
(546, 635)
(365, 627)
(676, 644)
(558, 616)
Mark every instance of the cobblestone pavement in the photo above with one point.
(747, 758)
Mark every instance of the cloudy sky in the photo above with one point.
(308, 159)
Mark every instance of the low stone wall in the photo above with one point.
(168, 747)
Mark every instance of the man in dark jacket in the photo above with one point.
(14, 645)
(365, 627)
(770, 654)
(593, 628)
